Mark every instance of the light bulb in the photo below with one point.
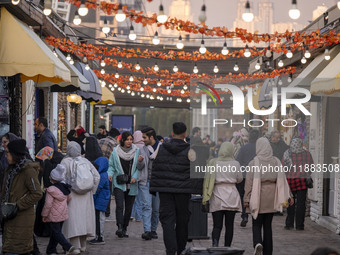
(159, 83)
(123, 90)
(289, 54)
(303, 60)
(175, 69)
(83, 10)
(113, 89)
(127, 87)
(185, 87)
(68, 58)
(236, 68)
(76, 19)
(247, 16)
(120, 65)
(131, 78)
(132, 35)
(47, 7)
(87, 67)
(142, 95)
(337, 4)
(294, 12)
(103, 84)
(85, 59)
(120, 16)
(156, 68)
(161, 18)
(327, 56)
(247, 52)
(216, 69)
(280, 64)
(137, 66)
(119, 89)
(195, 69)
(102, 71)
(258, 66)
(148, 96)
(102, 63)
(225, 50)
(289, 79)
(188, 100)
(169, 91)
(115, 85)
(268, 52)
(172, 85)
(55, 53)
(154, 89)
(155, 39)
(15, 2)
(202, 49)
(182, 91)
(117, 75)
(132, 93)
(307, 54)
(105, 28)
(71, 61)
(145, 81)
(180, 44)
(47, 11)
(202, 17)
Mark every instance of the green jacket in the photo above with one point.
(25, 191)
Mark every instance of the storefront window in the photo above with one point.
(4, 106)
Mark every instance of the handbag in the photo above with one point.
(9, 210)
(124, 178)
(309, 182)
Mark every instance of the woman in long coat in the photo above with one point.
(20, 186)
(265, 193)
(81, 221)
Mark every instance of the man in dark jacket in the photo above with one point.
(171, 178)
(45, 136)
(278, 145)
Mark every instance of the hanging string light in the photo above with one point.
(290, 78)
(327, 56)
(120, 16)
(258, 65)
(268, 52)
(71, 61)
(247, 16)
(303, 60)
(280, 64)
(307, 54)
(225, 50)
(15, 2)
(236, 67)
(128, 87)
(185, 87)
(161, 18)
(195, 69)
(117, 75)
(175, 69)
(102, 63)
(87, 67)
(294, 12)
(132, 34)
(120, 65)
(137, 66)
(131, 78)
(102, 71)
(47, 7)
(76, 19)
(247, 52)
(202, 17)
(155, 39)
(202, 49)
(289, 54)
(83, 10)
(156, 68)
(145, 82)
(54, 52)
(216, 68)
(280, 81)
(68, 57)
(105, 28)
(180, 44)
(159, 82)
(115, 85)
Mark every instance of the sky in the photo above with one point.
(223, 12)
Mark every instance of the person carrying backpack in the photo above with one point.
(84, 179)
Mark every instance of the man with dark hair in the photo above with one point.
(107, 144)
(246, 154)
(171, 178)
(196, 131)
(150, 211)
(102, 132)
(45, 137)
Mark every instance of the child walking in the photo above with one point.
(101, 199)
(55, 211)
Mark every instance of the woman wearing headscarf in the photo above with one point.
(265, 193)
(81, 221)
(92, 149)
(78, 135)
(125, 160)
(20, 186)
(297, 158)
(220, 190)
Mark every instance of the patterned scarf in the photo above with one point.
(11, 176)
(296, 146)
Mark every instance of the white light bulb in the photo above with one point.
(307, 54)
(145, 81)
(225, 50)
(202, 17)
(131, 78)
(289, 79)
(120, 65)
(71, 61)
(338, 4)
(159, 83)
(182, 91)
(195, 69)
(132, 93)
(202, 49)
(102, 63)
(289, 54)
(175, 69)
(247, 52)
(280, 64)
(327, 56)
(76, 19)
(142, 95)
(185, 87)
(132, 34)
(83, 10)
(113, 89)
(188, 100)
(55, 53)
(102, 71)
(68, 58)
(117, 75)
(119, 89)
(247, 16)
(180, 44)
(87, 67)
(105, 28)
(110, 85)
(268, 53)
(47, 11)
(257, 66)
(280, 82)
(161, 18)
(294, 12)
(303, 60)
(115, 85)
(236, 68)
(154, 90)
(137, 66)
(15, 2)
(148, 96)
(120, 16)
(128, 87)
(169, 91)
(103, 84)
(155, 39)
(129, 91)
(216, 69)
(142, 89)
(156, 68)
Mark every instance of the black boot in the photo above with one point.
(215, 236)
(215, 243)
(119, 232)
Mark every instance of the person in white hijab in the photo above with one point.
(266, 190)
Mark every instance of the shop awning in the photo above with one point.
(107, 97)
(78, 81)
(95, 91)
(23, 52)
(327, 83)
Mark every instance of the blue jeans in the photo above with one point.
(137, 209)
(57, 237)
(150, 205)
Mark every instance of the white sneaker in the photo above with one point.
(258, 249)
(73, 251)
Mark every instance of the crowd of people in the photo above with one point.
(150, 179)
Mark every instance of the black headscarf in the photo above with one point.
(92, 149)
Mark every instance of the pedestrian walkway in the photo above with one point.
(286, 242)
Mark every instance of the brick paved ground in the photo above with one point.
(286, 242)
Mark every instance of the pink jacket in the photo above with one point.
(55, 209)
